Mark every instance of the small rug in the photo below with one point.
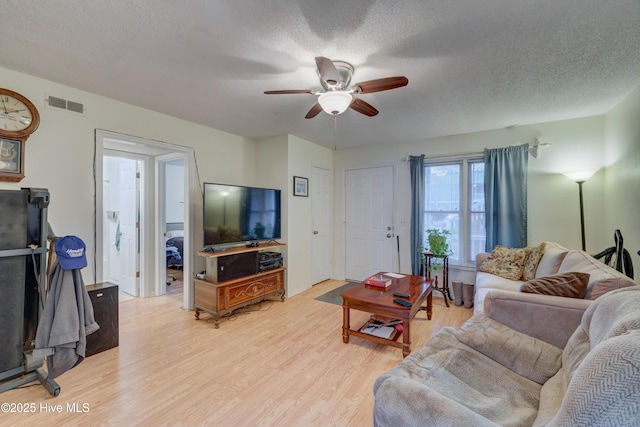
(333, 297)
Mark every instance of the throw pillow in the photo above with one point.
(505, 262)
(602, 286)
(530, 267)
(572, 285)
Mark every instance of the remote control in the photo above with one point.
(400, 294)
(402, 302)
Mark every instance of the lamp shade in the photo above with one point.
(580, 176)
(335, 102)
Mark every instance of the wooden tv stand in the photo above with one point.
(223, 297)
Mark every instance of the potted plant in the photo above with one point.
(437, 239)
(436, 244)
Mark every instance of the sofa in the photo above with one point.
(489, 374)
(511, 268)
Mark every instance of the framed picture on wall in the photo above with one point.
(300, 186)
(11, 159)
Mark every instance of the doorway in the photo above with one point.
(369, 233)
(150, 217)
(171, 218)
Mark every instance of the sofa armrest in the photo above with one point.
(548, 318)
(480, 257)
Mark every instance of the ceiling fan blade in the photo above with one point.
(287, 92)
(379, 85)
(314, 111)
(363, 107)
(327, 70)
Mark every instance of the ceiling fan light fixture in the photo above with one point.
(335, 102)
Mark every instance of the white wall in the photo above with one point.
(553, 199)
(59, 155)
(622, 175)
(303, 156)
(280, 159)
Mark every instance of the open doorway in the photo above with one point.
(149, 156)
(171, 218)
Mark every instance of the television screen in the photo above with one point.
(234, 214)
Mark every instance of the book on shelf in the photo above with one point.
(387, 330)
(377, 281)
(379, 331)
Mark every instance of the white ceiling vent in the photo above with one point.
(64, 104)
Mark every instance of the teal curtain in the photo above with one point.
(505, 192)
(416, 168)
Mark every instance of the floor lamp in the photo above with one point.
(580, 177)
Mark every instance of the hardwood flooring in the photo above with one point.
(272, 364)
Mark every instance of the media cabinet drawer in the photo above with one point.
(273, 283)
(251, 288)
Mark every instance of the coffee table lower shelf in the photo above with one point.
(386, 341)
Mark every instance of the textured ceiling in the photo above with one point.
(471, 65)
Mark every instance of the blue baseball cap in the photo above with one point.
(71, 252)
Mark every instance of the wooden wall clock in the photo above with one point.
(19, 118)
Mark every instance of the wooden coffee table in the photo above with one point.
(380, 303)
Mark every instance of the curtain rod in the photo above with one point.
(448, 156)
(533, 150)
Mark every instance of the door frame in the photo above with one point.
(151, 278)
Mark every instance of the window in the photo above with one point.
(454, 200)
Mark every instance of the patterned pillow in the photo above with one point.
(505, 262)
(535, 254)
(572, 285)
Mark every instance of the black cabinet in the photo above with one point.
(104, 298)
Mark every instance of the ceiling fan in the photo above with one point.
(337, 96)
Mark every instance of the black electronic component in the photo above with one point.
(402, 302)
(269, 260)
(400, 294)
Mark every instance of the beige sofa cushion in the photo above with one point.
(551, 259)
(603, 286)
(486, 282)
(581, 261)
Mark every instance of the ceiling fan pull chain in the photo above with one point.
(335, 132)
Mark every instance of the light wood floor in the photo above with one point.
(279, 364)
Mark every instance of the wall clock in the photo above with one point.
(19, 118)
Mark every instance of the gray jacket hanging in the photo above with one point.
(66, 321)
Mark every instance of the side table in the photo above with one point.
(445, 275)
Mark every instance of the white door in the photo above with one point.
(322, 219)
(128, 233)
(369, 222)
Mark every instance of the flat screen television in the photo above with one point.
(236, 214)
